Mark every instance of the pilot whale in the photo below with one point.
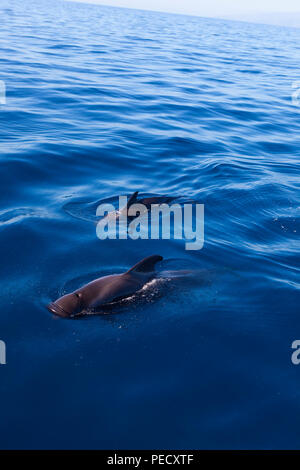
(105, 290)
(146, 202)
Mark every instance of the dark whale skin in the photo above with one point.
(105, 290)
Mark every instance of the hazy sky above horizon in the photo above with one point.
(215, 8)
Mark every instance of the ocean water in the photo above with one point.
(104, 101)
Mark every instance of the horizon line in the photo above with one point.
(198, 15)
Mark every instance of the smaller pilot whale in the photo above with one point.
(145, 201)
(106, 290)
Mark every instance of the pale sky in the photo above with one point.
(214, 8)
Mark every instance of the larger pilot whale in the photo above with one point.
(105, 290)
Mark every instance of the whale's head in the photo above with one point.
(68, 305)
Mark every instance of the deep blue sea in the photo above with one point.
(101, 102)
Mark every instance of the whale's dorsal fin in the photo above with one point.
(146, 265)
(132, 199)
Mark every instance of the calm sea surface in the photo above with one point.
(104, 101)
